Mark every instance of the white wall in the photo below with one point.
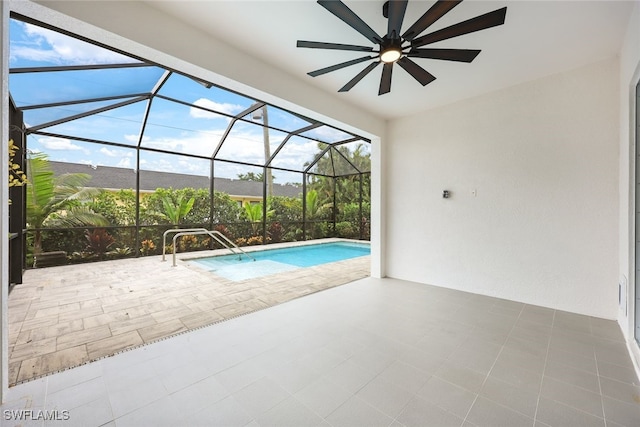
(543, 228)
(629, 77)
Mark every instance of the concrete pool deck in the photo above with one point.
(62, 317)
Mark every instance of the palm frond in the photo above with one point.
(40, 188)
(78, 216)
(58, 200)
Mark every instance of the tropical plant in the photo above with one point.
(120, 252)
(57, 201)
(187, 243)
(286, 209)
(117, 207)
(275, 232)
(222, 229)
(256, 240)
(225, 209)
(312, 204)
(253, 212)
(147, 246)
(346, 229)
(17, 178)
(316, 208)
(99, 241)
(176, 211)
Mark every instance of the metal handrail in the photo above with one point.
(174, 230)
(214, 235)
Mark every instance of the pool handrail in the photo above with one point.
(175, 230)
(214, 235)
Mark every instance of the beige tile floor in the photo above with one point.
(63, 317)
(373, 352)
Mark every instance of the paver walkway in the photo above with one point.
(62, 317)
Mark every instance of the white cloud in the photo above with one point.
(295, 153)
(59, 144)
(133, 138)
(201, 146)
(212, 105)
(326, 133)
(53, 47)
(190, 167)
(167, 144)
(108, 153)
(124, 163)
(115, 153)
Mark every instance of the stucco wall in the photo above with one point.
(542, 227)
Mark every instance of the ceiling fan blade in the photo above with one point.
(358, 77)
(460, 55)
(385, 80)
(337, 46)
(435, 12)
(339, 66)
(341, 11)
(482, 22)
(396, 16)
(417, 72)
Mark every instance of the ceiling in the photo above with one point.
(538, 38)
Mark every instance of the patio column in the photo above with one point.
(361, 232)
(304, 206)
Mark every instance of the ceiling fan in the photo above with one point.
(394, 47)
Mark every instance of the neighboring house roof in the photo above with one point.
(120, 178)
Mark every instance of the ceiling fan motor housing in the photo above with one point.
(390, 47)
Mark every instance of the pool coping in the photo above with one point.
(269, 247)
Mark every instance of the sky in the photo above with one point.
(171, 126)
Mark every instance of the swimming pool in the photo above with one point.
(272, 261)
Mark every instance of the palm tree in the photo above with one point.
(57, 201)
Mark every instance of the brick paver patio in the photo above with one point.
(62, 317)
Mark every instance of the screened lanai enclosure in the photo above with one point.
(117, 150)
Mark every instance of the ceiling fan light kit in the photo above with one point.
(394, 48)
(390, 55)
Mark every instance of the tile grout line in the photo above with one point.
(544, 368)
(575, 385)
(492, 366)
(604, 415)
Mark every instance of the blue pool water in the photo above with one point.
(280, 260)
